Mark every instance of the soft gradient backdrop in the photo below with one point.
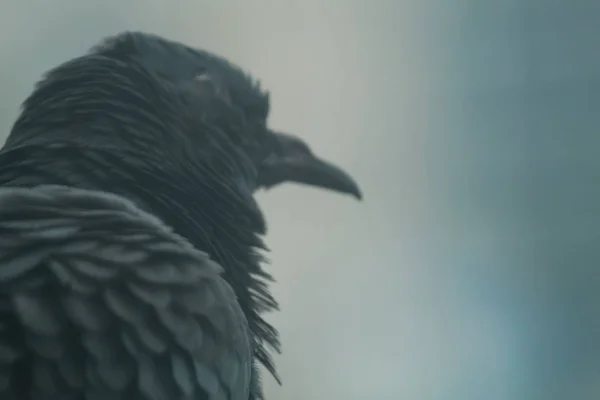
(470, 271)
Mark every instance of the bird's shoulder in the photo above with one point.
(104, 301)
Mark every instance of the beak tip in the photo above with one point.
(353, 189)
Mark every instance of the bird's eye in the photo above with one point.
(213, 85)
(207, 81)
(203, 77)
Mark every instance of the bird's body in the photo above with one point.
(139, 276)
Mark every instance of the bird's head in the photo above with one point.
(221, 96)
(194, 105)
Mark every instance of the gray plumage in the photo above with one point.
(112, 303)
(130, 261)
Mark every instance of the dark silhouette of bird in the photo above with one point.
(131, 250)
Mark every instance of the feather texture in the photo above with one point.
(117, 306)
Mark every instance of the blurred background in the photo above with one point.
(471, 270)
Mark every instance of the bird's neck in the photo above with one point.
(203, 211)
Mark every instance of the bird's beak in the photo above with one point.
(294, 162)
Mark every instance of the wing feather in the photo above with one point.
(100, 300)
